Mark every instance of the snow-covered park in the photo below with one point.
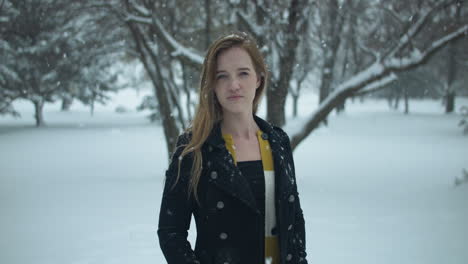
(376, 186)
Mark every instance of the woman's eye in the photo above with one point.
(244, 73)
(219, 77)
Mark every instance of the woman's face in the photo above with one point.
(235, 81)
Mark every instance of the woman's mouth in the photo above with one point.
(234, 97)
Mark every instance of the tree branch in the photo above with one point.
(415, 28)
(375, 72)
(177, 50)
(377, 85)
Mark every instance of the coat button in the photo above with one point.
(274, 231)
(220, 205)
(289, 257)
(265, 136)
(210, 148)
(291, 198)
(289, 227)
(223, 236)
(214, 175)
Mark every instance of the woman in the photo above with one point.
(233, 171)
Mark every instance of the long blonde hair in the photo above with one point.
(209, 111)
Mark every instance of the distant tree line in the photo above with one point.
(393, 49)
(50, 51)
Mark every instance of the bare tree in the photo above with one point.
(402, 56)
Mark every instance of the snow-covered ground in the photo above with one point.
(376, 186)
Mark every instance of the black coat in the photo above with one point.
(229, 225)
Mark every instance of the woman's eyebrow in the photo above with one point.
(238, 69)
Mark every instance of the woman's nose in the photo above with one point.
(234, 85)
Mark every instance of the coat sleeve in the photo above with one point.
(299, 227)
(176, 211)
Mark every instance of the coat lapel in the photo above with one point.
(229, 178)
(283, 171)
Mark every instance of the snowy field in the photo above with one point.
(376, 186)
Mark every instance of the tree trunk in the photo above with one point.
(187, 91)
(38, 113)
(275, 104)
(449, 102)
(295, 101)
(341, 107)
(405, 92)
(66, 104)
(397, 99)
(452, 67)
(278, 91)
(325, 84)
(91, 106)
(451, 75)
(174, 99)
(332, 43)
(389, 101)
(152, 67)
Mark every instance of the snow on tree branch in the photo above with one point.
(417, 56)
(378, 84)
(254, 29)
(416, 27)
(140, 9)
(378, 73)
(177, 49)
(138, 19)
(7, 72)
